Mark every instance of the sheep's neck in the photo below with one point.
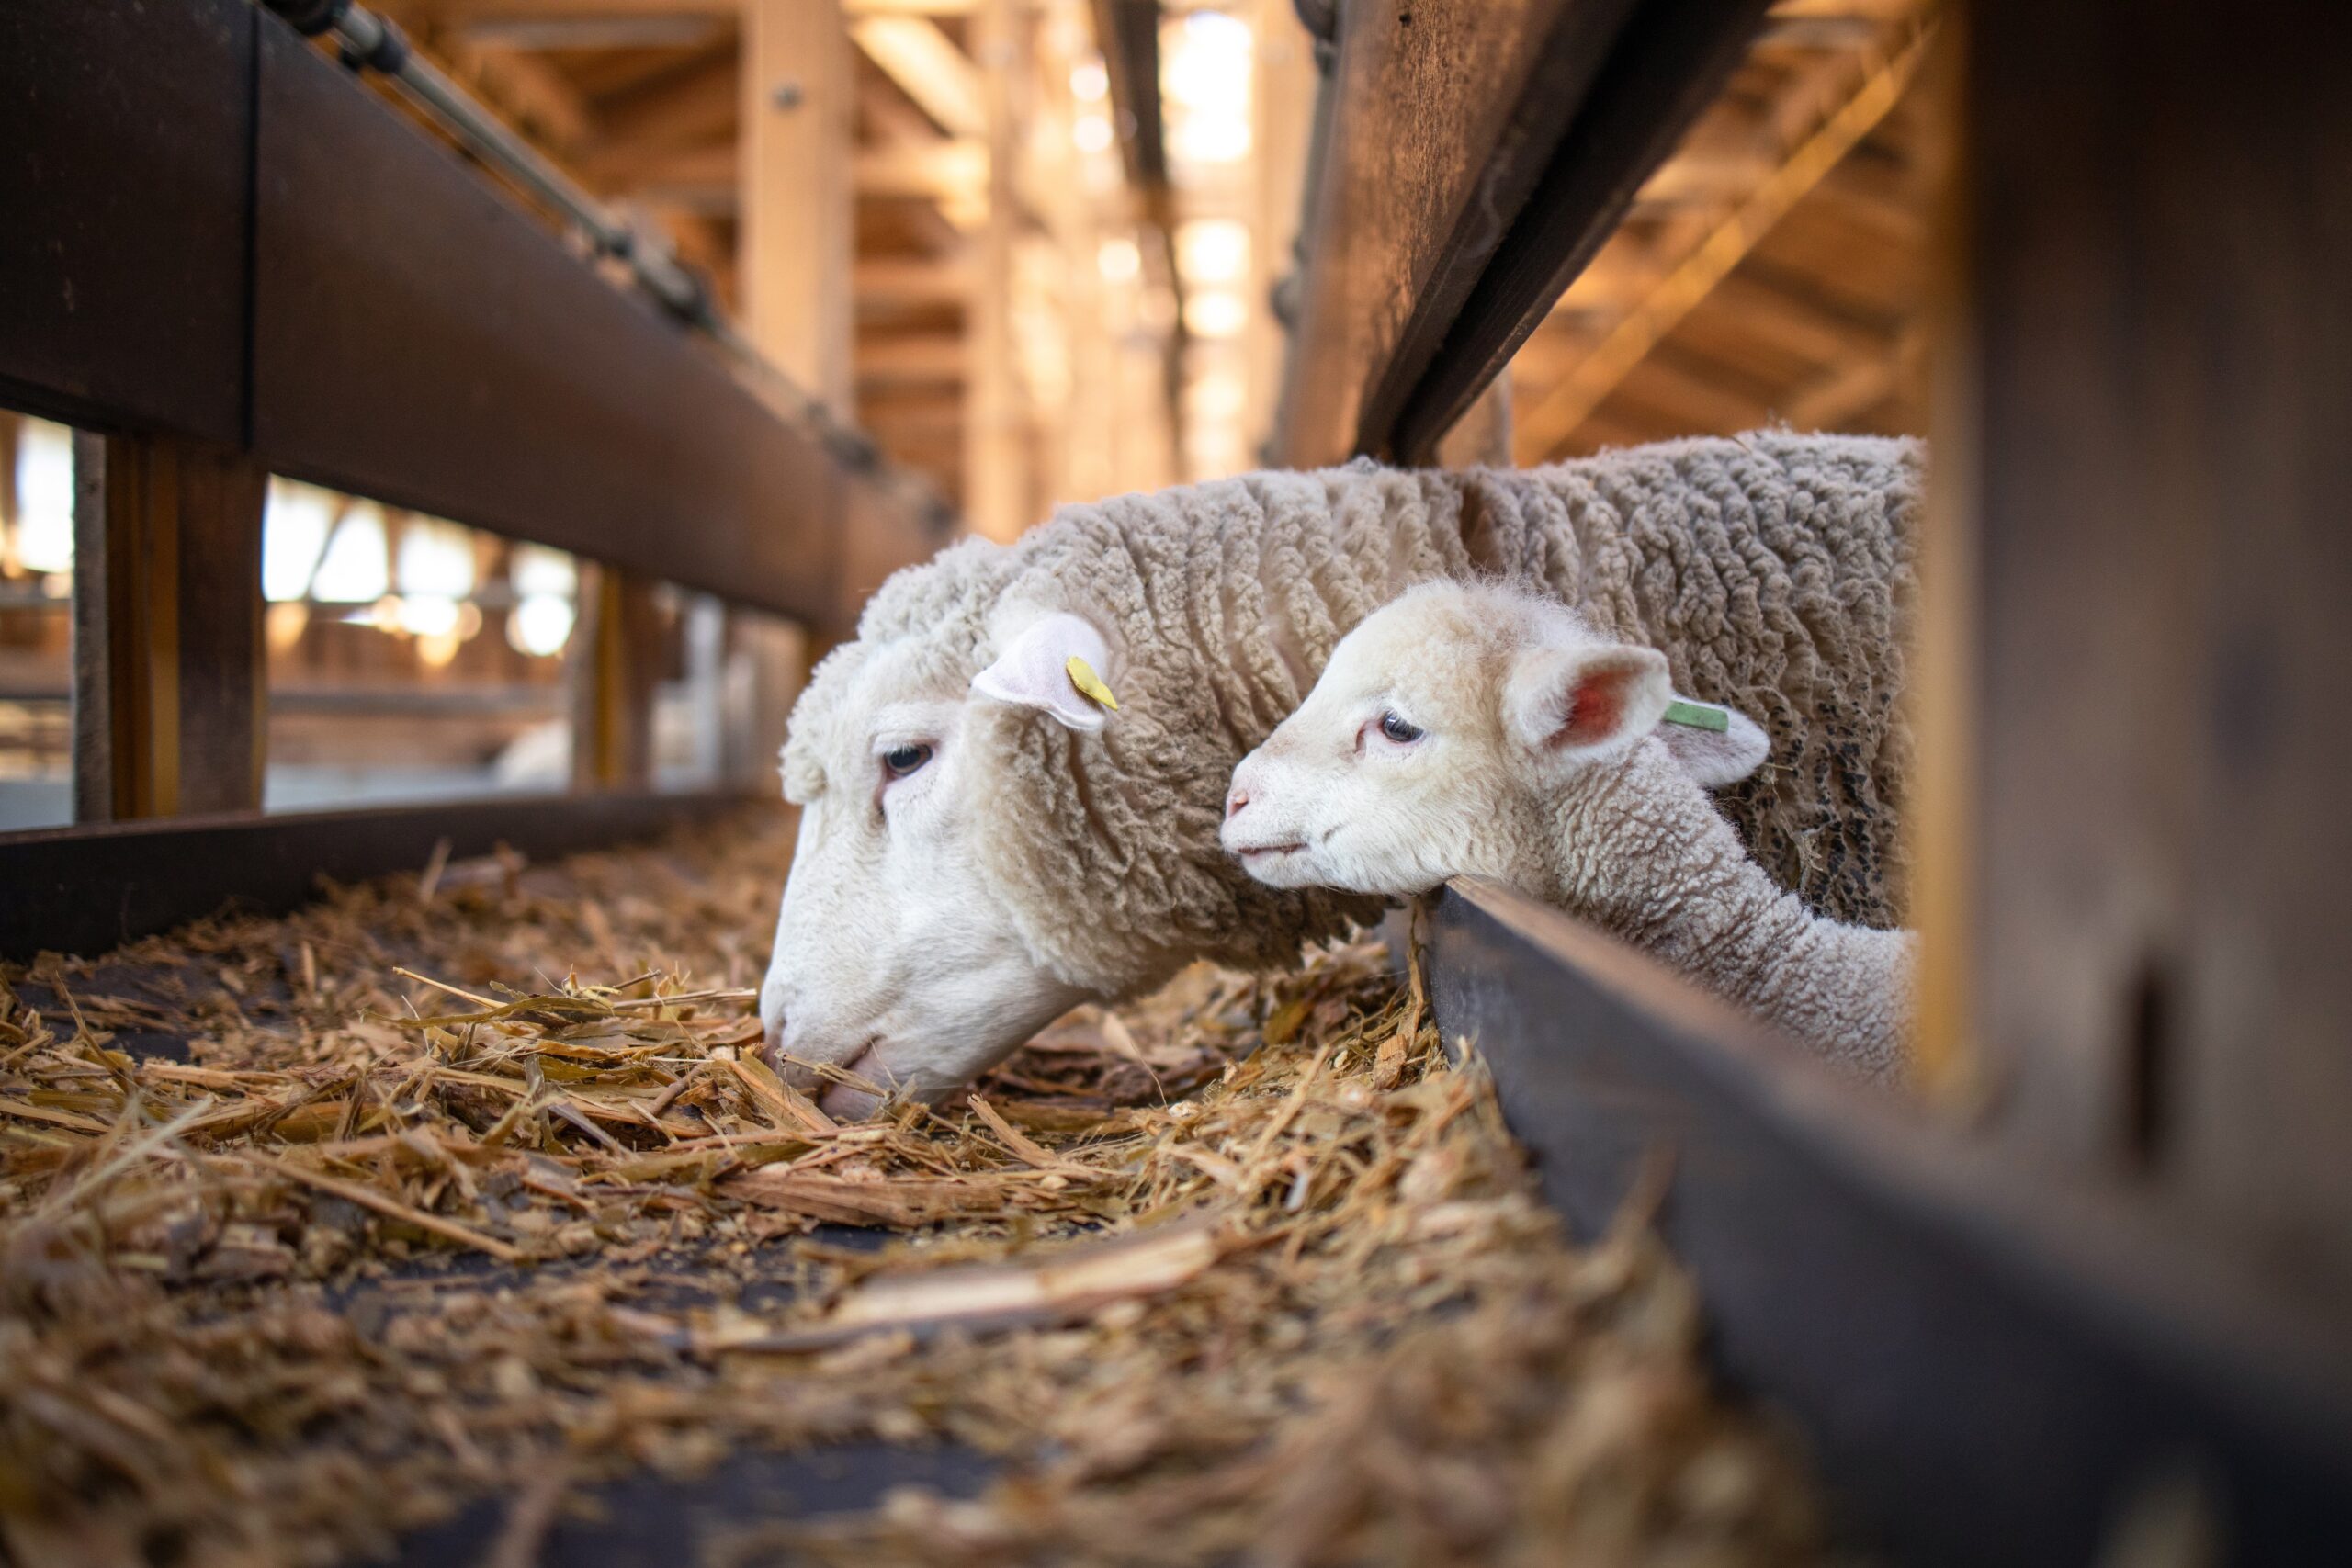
(1649, 858)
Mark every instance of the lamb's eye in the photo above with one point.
(1396, 730)
(901, 760)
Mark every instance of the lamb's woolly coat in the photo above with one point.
(1774, 570)
(1642, 850)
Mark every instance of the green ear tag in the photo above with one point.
(1697, 716)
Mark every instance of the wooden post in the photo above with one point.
(996, 484)
(2150, 451)
(798, 215)
(169, 660)
(613, 672)
(1283, 109)
(796, 262)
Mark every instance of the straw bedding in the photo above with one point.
(463, 1185)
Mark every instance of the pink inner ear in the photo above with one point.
(1596, 708)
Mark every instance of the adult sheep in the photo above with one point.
(982, 846)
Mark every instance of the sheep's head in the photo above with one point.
(896, 954)
(1444, 733)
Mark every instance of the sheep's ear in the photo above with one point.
(1036, 671)
(1711, 756)
(1581, 705)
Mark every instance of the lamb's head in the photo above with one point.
(1445, 734)
(898, 953)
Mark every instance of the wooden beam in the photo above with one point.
(1685, 179)
(799, 226)
(1477, 155)
(473, 13)
(1416, 88)
(928, 67)
(596, 32)
(1283, 89)
(169, 659)
(952, 171)
(1799, 325)
(1692, 396)
(696, 176)
(1850, 390)
(696, 103)
(709, 179)
(1546, 425)
(529, 91)
(910, 361)
(905, 282)
(1868, 10)
(995, 485)
(386, 274)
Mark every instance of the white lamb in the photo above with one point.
(1479, 730)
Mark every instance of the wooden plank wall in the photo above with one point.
(2148, 450)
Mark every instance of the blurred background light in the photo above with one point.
(355, 570)
(44, 541)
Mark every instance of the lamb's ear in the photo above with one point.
(1581, 705)
(1035, 671)
(1713, 756)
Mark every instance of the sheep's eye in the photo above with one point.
(901, 760)
(1396, 730)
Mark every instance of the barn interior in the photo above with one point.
(416, 522)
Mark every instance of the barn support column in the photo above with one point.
(2140, 879)
(612, 679)
(995, 476)
(1282, 115)
(169, 671)
(797, 263)
(798, 217)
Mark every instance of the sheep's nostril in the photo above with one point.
(1235, 802)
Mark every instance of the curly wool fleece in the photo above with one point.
(1775, 571)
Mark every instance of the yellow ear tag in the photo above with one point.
(1082, 676)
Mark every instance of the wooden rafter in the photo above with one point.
(495, 13)
(694, 102)
(1547, 423)
(897, 362)
(1849, 390)
(704, 179)
(897, 282)
(928, 67)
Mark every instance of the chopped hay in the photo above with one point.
(314, 1229)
